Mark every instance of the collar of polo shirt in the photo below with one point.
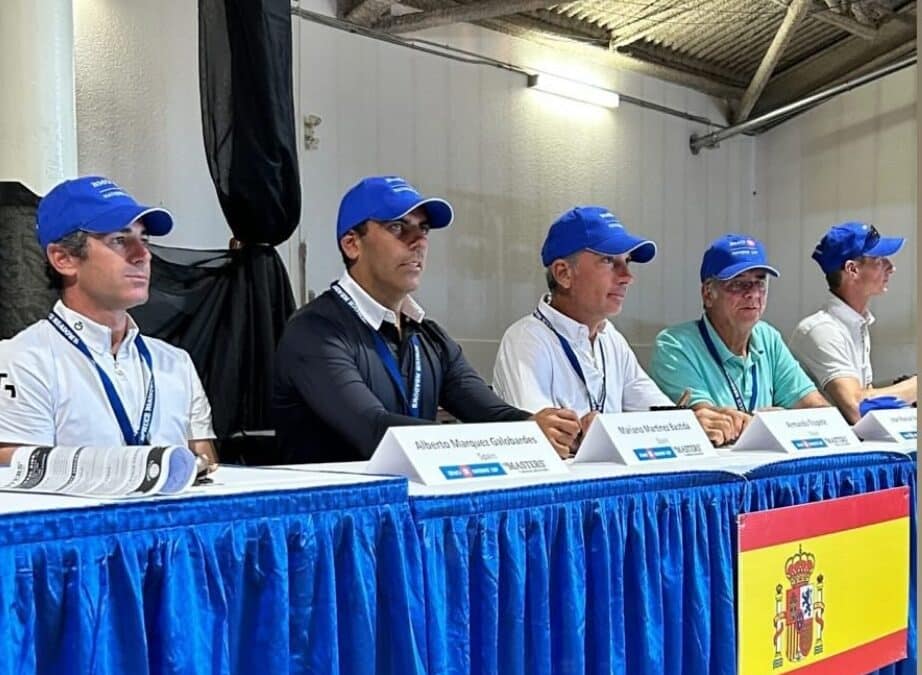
(845, 313)
(373, 312)
(754, 352)
(95, 335)
(563, 324)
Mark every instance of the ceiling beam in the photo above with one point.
(366, 12)
(848, 56)
(475, 11)
(838, 20)
(792, 18)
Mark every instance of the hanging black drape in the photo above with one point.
(227, 309)
(245, 82)
(24, 293)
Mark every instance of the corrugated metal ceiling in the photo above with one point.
(754, 53)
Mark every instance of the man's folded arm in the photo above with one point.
(467, 396)
(325, 375)
(847, 393)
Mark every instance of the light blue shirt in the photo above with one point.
(681, 360)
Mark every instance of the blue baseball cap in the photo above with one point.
(849, 241)
(385, 198)
(93, 204)
(733, 254)
(596, 229)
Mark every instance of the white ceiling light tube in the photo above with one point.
(578, 91)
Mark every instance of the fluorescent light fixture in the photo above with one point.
(578, 91)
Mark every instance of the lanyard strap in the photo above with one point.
(131, 437)
(737, 396)
(595, 404)
(411, 402)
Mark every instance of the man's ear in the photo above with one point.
(61, 260)
(563, 273)
(707, 295)
(350, 245)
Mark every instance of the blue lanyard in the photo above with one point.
(131, 437)
(737, 396)
(411, 402)
(595, 404)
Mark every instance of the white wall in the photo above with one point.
(138, 115)
(852, 158)
(510, 160)
(38, 135)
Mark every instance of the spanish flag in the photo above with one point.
(823, 588)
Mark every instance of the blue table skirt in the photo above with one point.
(809, 480)
(629, 575)
(604, 576)
(300, 581)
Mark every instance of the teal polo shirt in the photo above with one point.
(681, 361)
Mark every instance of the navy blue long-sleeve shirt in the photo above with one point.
(333, 399)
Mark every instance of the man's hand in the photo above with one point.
(586, 421)
(561, 426)
(722, 425)
(740, 419)
(205, 453)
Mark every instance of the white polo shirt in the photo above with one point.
(834, 342)
(373, 312)
(51, 394)
(532, 370)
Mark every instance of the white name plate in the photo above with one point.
(644, 437)
(898, 425)
(794, 430)
(451, 453)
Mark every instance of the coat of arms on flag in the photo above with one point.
(799, 612)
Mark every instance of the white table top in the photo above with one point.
(227, 480)
(235, 480)
(736, 462)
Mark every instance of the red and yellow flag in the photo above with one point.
(824, 587)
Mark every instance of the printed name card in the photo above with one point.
(794, 430)
(644, 437)
(888, 425)
(451, 453)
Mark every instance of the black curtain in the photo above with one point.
(245, 82)
(227, 309)
(24, 294)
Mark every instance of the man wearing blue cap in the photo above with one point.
(567, 353)
(85, 375)
(730, 358)
(362, 357)
(834, 344)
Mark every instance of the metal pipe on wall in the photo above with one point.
(712, 139)
(464, 56)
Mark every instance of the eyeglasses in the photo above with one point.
(873, 236)
(743, 286)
